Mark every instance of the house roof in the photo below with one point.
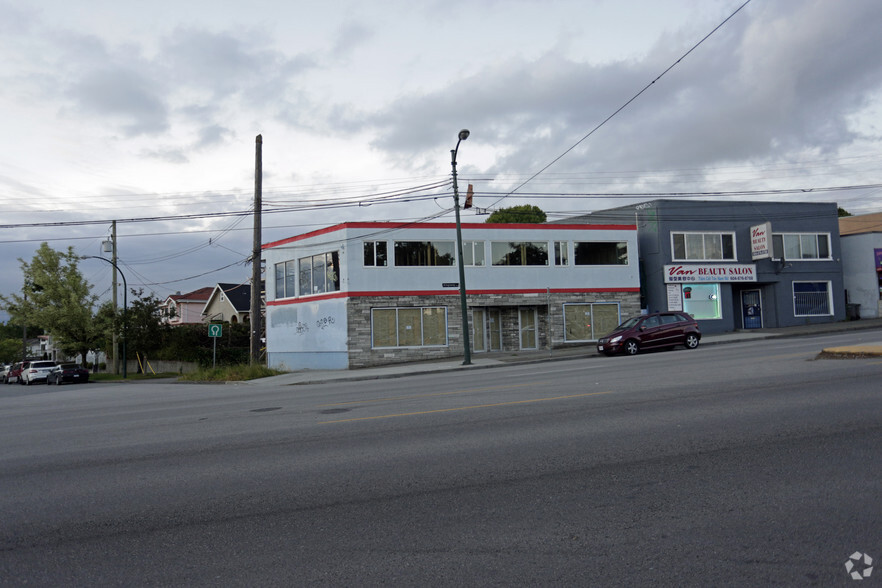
(200, 295)
(864, 223)
(239, 295)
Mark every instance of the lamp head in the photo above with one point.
(463, 134)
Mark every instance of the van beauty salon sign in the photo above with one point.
(710, 273)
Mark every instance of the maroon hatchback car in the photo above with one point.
(651, 331)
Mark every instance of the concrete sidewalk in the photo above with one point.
(489, 360)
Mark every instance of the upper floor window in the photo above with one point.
(375, 253)
(473, 253)
(801, 246)
(520, 253)
(601, 253)
(424, 253)
(703, 246)
(561, 253)
(319, 273)
(286, 275)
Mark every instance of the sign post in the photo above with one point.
(215, 330)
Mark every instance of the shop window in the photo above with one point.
(589, 322)
(793, 246)
(409, 327)
(473, 253)
(519, 253)
(703, 246)
(561, 253)
(375, 254)
(702, 301)
(423, 253)
(812, 299)
(601, 253)
(319, 273)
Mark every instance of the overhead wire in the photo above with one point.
(625, 105)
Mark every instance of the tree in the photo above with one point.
(145, 330)
(843, 212)
(57, 298)
(525, 213)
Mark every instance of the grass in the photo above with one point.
(230, 373)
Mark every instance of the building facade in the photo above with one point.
(370, 293)
(738, 265)
(862, 263)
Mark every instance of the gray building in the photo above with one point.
(737, 265)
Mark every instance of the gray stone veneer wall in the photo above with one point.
(358, 310)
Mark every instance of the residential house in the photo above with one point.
(861, 238)
(182, 309)
(371, 293)
(229, 303)
(735, 264)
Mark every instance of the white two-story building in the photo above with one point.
(370, 293)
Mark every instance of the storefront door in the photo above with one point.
(479, 342)
(527, 320)
(486, 329)
(751, 309)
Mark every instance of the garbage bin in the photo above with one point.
(853, 311)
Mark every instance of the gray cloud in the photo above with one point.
(776, 78)
(123, 95)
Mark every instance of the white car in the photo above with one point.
(36, 372)
(4, 369)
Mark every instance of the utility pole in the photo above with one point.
(255, 253)
(115, 342)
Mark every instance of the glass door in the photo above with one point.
(479, 341)
(527, 319)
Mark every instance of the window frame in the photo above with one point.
(428, 253)
(779, 246)
(561, 253)
(472, 247)
(828, 291)
(704, 248)
(329, 259)
(444, 325)
(594, 334)
(519, 247)
(617, 244)
(374, 253)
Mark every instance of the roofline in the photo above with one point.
(448, 225)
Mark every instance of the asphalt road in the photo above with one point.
(741, 464)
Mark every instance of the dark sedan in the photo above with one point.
(68, 372)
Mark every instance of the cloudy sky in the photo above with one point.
(149, 111)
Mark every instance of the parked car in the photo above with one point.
(651, 331)
(36, 372)
(67, 372)
(4, 369)
(14, 373)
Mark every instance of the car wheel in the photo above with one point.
(631, 347)
(691, 341)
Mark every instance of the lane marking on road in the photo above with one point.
(422, 412)
(410, 397)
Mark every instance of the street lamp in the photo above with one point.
(125, 308)
(467, 356)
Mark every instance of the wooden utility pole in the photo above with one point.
(255, 253)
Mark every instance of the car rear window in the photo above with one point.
(42, 364)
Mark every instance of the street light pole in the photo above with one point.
(125, 309)
(467, 355)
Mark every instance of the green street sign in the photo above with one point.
(215, 330)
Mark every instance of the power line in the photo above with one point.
(625, 105)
